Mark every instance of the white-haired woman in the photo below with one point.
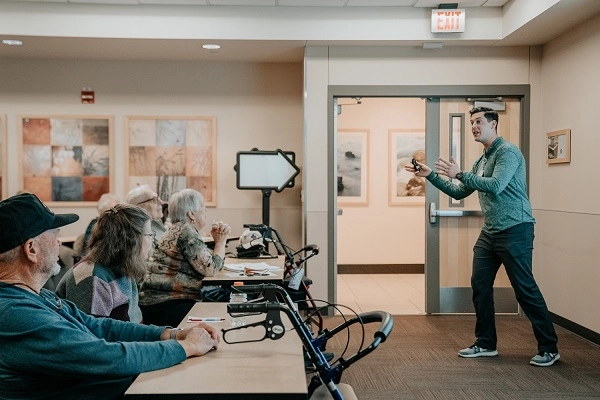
(180, 261)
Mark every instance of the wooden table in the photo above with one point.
(223, 278)
(267, 370)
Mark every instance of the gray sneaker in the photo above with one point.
(476, 351)
(544, 359)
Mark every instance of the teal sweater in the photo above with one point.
(47, 353)
(502, 189)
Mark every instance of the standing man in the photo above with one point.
(49, 348)
(499, 177)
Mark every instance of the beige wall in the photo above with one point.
(265, 106)
(256, 105)
(564, 85)
(567, 202)
(385, 66)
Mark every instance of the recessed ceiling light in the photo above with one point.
(12, 42)
(211, 46)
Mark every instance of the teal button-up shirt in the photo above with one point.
(499, 176)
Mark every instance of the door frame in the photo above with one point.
(432, 282)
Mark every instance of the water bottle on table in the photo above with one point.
(237, 297)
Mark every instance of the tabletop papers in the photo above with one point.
(250, 268)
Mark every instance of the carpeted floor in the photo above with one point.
(419, 361)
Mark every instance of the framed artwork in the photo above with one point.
(352, 167)
(405, 188)
(66, 160)
(3, 183)
(171, 154)
(559, 147)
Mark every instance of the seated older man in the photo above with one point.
(49, 348)
(143, 196)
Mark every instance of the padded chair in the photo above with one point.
(322, 393)
(78, 248)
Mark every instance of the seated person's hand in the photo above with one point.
(199, 341)
(214, 333)
(220, 230)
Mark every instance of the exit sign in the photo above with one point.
(447, 20)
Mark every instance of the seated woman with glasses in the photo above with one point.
(143, 196)
(105, 282)
(180, 261)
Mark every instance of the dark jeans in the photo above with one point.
(169, 313)
(512, 247)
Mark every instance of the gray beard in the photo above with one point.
(55, 269)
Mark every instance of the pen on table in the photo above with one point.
(206, 319)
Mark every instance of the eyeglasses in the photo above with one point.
(153, 199)
(151, 234)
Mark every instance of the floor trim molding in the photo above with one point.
(381, 268)
(580, 330)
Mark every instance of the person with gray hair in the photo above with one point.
(105, 282)
(52, 350)
(70, 256)
(143, 196)
(181, 260)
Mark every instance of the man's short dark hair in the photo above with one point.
(488, 113)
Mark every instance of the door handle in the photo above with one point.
(434, 213)
(340, 211)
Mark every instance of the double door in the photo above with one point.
(452, 227)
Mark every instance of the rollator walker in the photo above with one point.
(274, 300)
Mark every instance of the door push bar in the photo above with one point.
(434, 213)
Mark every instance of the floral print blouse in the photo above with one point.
(179, 263)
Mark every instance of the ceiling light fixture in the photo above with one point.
(448, 6)
(211, 46)
(12, 42)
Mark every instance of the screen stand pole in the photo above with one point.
(266, 205)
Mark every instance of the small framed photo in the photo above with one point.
(352, 167)
(559, 147)
(404, 187)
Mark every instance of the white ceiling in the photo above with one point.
(539, 30)
(287, 3)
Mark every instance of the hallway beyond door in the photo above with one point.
(398, 294)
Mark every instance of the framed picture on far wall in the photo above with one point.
(559, 147)
(3, 183)
(171, 154)
(405, 188)
(66, 160)
(352, 167)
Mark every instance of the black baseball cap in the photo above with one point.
(24, 216)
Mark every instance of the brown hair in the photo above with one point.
(488, 113)
(116, 240)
